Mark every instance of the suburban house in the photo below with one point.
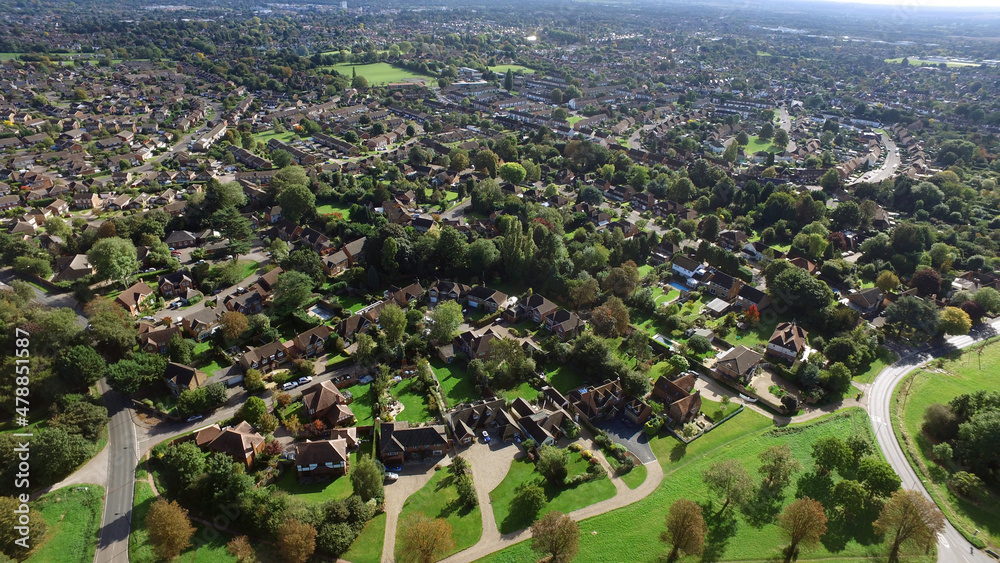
(750, 295)
(687, 267)
(325, 402)
(682, 405)
(202, 323)
(403, 296)
(322, 460)
(176, 283)
(723, 286)
(564, 324)
(264, 359)
(467, 421)
(336, 263)
(72, 268)
(755, 251)
(637, 411)
(267, 281)
(533, 307)
(482, 297)
(399, 442)
(239, 442)
(787, 342)
(478, 344)
(250, 303)
(732, 240)
(543, 425)
(311, 342)
(185, 239)
(738, 363)
(180, 377)
(592, 403)
(446, 290)
(867, 302)
(134, 297)
(156, 341)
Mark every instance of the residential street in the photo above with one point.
(889, 166)
(116, 523)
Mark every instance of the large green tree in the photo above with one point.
(297, 203)
(114, 259)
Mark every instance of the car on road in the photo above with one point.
(194, 417)
(216, 292)
(391, 477)
(149, 319)
(289, 386)
(304, 380)
(486, 437)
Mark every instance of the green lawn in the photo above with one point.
(414, 404)
(457, 385)
(565, 378)
(367, 547)
(9, 56)
(756, 145)
(562, 498)
(574, 118)
(713, 409)
(343, 210)
(362, 405)
(635, 477)
(524, 390)
(339, 488)
(249, 268)
(207, 546)
(759, 334)
(272, 134)
(376, 73)
(918, 62)
(439, 499)
(885, 357)
(73, 517)
(911, 399)
(352, 304)
(502, 69)
(736, 535)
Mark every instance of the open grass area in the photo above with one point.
(756, 145)
(885, 357)
(457, 385)
(502, 69)
(439, 499)
(565, 378)
(249, 268)
(376, 73)
(574, 118)
(911, 399)
(414, 404)
(73, 517)
(367, 547)
(284, 137)
(362, 405)
(919, 62)
(635, 477)
(336, 489)
(207, 546)
(562, 498)
(736, 535)
(330, 208)
(758, 334)
(524, 390)
(352, 304)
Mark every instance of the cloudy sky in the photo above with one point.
(916, 4)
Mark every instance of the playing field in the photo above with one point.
(502, 69)
(918, 62)
(376, 73)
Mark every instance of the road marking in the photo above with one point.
(944, 541)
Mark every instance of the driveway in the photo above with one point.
(412, 478)
(630, 436)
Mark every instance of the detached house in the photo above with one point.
(264, 359)
(486, 299)
(202, 323)
(564, 324)
(687, 267)
(868, 302)
(180, 378)
(723, 286)
(322, 460)
(467, 421)
(156, 341)
(72, 268)
(176, 283)
(311, 342)
(682, 405)
(738, 363)
(592, 403)
(447, 291)
(399, 442)
(134, 297)
(239, 442)
(533, 307)
(325, 402)
(787, 342)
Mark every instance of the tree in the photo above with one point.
(425, 540)
(781, 138)
(611, 319)
(291, 291)
(529, 499)
(83, 418)
(364, 354)
(508, 80)
(887, 281)
(686, 529)
(635, 384)
(9, 519)
(988, 298)
(487, 161)
(281, 158)
(359, 83)
(556, 96)
(728, 479)
(803, 522)
(393, 321)
(82, 365)
(235, 228)
(512, 172)
(556, 535)
(458, 159)
(830, 181)
(831, 453)
(927, 282)
(252, 410)
(912, 317)
(742, 138)
(446, 319)
(766, 131)
(233, 324)
(877, 477)
(169, 529)
(800, 292)
(114, 259)
(366, 479)
(268, 423)
(908, 517)
(297, 203)
(954, 320)
(241, 548)
(777, 464)
(732, 151)
(296, 541)
(552, 464)
(708, 228)
(850, 497)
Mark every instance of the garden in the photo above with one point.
(439, 499)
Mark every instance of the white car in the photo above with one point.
(289, 386)
(391, 477)
(304, 380)
(149, 319)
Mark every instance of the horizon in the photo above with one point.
(911, 4)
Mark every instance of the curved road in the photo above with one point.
(952, 546)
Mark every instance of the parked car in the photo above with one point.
(148, 318)
(194, 417)
(391, 477)
(289, 386)
(486, 436)
(304, 380)
(395, 468)
(216, 292)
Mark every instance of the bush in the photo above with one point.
(586, 454)
(575, 447)
(968, 485)
(942, 452)
(528, 444)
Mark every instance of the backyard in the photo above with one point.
(362, 405)
(73, 517)
(456, 384)
(911, 399)
(565, 378)
(502, 69)
(439, 499)
(756, 145)
(336, 489)
(414, 404)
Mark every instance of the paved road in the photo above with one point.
(952, 546)
(116, 523)
(889, 166)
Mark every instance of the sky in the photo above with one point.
(916, 4)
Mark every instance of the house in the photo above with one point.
(267, 281)
(239, 442)
(134, 297)
(325, 402)
(311, 342)
(750, 295)
(755, 251)
(732, 240)
(544, 426)
(682, 405)
(72, 268)
(723, 286)
(637, 411)
(478, 344)
(9, 202)
(322, 460)
(592, 403)
(176, 283)
(157, 341)
(182, 239)
(87, 201)
(738, 363)
(533, 306)
(564, 324)
(486, 299)
(467, 421)
(250, 303)
(787, 341)
(202, 323)
(336, 263)
(180, 378)
(687, 267)
(403, 296)
(446, 290)
(806, 265)
(273, 215)
(399, 442)
(264, 359)
(867, 302)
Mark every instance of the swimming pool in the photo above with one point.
(679, 286)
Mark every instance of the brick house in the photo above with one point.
(399, 442)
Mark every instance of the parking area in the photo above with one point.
(629, 435)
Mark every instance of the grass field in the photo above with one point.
(565, 378)
(337, 489)
(743, 536)
(759, 334)
(756, 145)
(343, 210)
(885, 357)
(9, 56)
(376, 73)
(456, 384)
(73, 517)
(439, 499)
(524, 390)
(207, 546)
(367, 547)
(283, 137)
(561, 498)
(502, 69)
(574, 118)
(911, 399)
(635, 477)
(414, 404)
(918, 62)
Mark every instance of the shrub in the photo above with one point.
(528, 444)
(587, 454)
(942, 452)
(626, 465)
(575, 447)
(967, 485)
